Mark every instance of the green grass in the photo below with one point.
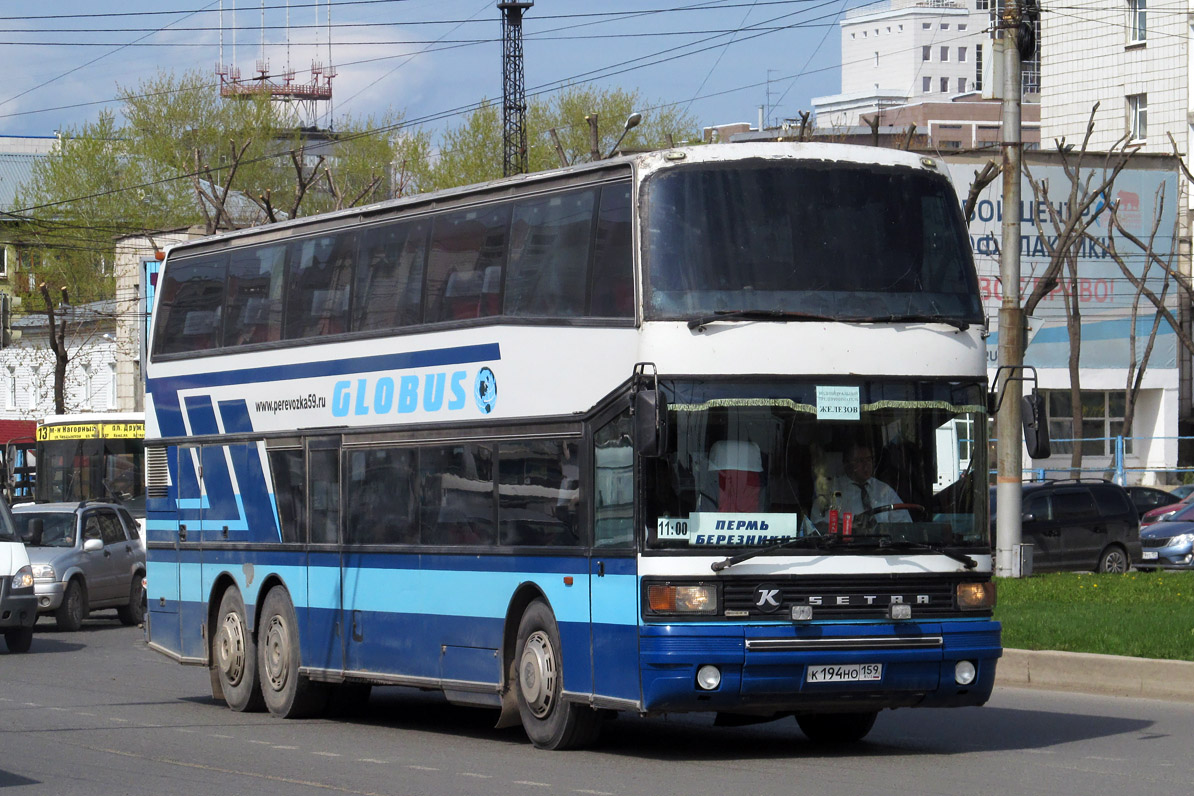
(1141, 614)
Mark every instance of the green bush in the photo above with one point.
(1141, 614)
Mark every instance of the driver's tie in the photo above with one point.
(866, 499)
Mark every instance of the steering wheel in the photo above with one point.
(866, 519)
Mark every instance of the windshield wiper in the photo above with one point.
(755, 315)
(954, 322)
(836, 540)
(799, 541)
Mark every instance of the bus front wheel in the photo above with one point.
(235, 656)
(549, 721)
(836, 728)
(288, 694)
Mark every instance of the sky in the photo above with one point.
(427, 59)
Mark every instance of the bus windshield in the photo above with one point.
(92, 469)
(849, 242)
(757, 464)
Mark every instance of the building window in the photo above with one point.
(945, 26)
(961, 27)
(944, 85)
(1138, 116)
(88, 386)
(926, 25)
(961, 85)
(982, 5)
(11, 392)
(112, 402)
(944, 55)
(926, 53)
(1102, 422)
(876, 59)
(1137, 29)
(926, 84)
(978, 67)
(961, 55)
(3, 261)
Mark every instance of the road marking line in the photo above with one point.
(85, 714)
(263, 743)
(214, 735)
(370, 760)
(326, 754)
(114, 718)
(284, 747)
(61, 709)
(235, 772)
(593, 792)
(183, 729)
(32, 705)
(423, 768)
(475, 776)
(535, 784)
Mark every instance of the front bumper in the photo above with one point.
(1172, 557)
(18, 607)
(764, 667)
(49, 594)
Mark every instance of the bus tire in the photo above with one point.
(235, 655)
(1114, 560)
(18, 639)
(70, 614)
(549, 721)
(288, 694)
(836, 728)
(134, 612)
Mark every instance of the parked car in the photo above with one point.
(1171, 512)
(1183, 491)
(1167, 545)
(1147, 498)
(84, 556)
(1078, 526)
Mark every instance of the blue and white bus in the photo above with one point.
(571, 443)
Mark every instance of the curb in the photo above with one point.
(1087, 673)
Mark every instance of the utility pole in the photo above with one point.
(1011, 317)
(514, 95)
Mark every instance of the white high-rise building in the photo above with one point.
(907, 51)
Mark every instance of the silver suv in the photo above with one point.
(84, 556)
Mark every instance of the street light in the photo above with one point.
(631, 122)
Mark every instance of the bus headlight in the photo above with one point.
(665, 598)
(23, 579)
(976, 596)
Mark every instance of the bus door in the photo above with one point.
(192, 602)
(323, 636)
(613, 565)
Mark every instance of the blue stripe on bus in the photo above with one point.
(235, 415)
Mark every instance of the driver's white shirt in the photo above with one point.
(880, 494)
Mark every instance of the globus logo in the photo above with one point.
(432, 392)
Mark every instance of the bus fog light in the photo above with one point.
(964, 672)
(802, 613)
(708, 677)
(900, 611)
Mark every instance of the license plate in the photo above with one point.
(844, 673)
(1150, 555)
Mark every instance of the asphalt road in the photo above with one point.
(96, 712)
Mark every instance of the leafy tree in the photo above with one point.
(472, 151)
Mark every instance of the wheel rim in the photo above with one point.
(75, 604)
(230, 647)
(537, 674)
(1115, 563)
(277, 653)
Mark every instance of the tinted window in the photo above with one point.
(550, 241)
(1073, 504)
(381, 501)
(539, 493)
(1112, 501)
(110, 528)
(389, 286)
(191, 298)
(289, 475)
(320, 285)
(464, 269)
(613, 492)
(1038, 506)
(256, 279)
(456, 495)
(612, 276)
(324, 491)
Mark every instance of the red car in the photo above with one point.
(1170, 512)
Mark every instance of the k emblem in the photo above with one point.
(768, 598)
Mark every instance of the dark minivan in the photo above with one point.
(1078, 526)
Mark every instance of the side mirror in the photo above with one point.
(92, 545)
(1027, 516)
(650, 423)
(1036, 426)
(36, 529)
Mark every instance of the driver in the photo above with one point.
(860, 490)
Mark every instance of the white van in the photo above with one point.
(18, 603)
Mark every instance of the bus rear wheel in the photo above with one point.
(549, 721)
(235, 656)
(836, 728)
(288, 694)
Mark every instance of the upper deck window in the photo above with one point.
(845, 241)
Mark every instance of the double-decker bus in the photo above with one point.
(572, 443)
(92, 456)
